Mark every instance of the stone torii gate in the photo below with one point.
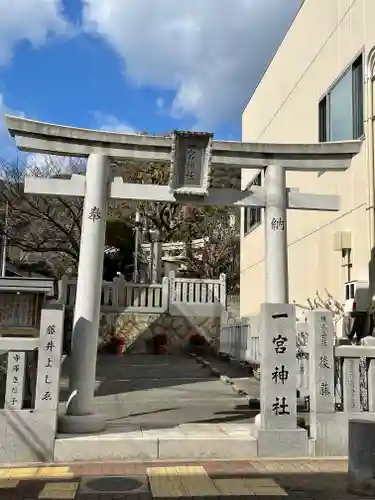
(203, 172)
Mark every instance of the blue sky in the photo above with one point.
(135, 65)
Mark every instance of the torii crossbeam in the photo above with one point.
(196, 161)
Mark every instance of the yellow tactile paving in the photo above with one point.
(196, 481)
(232, 486)
(18, 472)
(190, 470)
(260, 482)
(184, 481)
(8, 483)
(165, 483)
(36, 473)
(54, 472)
(59, 491)
(264, 486)
(267, 491)
(193, 481)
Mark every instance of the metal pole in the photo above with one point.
(4, 243)
(154, 255)
(158, 257)
(277, 290)
(136, 245)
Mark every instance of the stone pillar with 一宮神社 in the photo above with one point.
(278, 435)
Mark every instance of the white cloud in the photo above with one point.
(110, 123)
(29, 20)
(210, 52)
(5, 109)
(160, 104)
(41, 165)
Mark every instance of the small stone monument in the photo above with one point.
(28, 420)
(321, 376)
(303, 363)
(21, 302)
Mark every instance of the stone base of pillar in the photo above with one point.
(81, 424)
(283, 443)
(361, 442)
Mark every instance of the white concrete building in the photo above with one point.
(318, 87)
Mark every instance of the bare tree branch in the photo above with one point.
(47, 225)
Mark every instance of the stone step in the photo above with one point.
(189, 441)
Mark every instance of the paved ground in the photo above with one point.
(163, 391)
(314, 479)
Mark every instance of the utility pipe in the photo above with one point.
(369, 109)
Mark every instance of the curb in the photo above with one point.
(254, 403)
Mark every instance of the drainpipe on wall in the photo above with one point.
(370, 157)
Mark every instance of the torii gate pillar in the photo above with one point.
(80, 415)
(276, 235)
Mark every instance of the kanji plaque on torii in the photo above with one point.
(196, 163)
(190, 163)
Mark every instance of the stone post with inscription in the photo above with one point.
(276, 235)
(80, 415)
(321, 376)
(15, 382)
(303, 351)
(351, 385)
(278, 435)
(49, 357)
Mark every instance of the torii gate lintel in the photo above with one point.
(254, 197)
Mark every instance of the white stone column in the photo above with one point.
(276, 236)
(80, 415)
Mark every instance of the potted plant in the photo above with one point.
(114, 344)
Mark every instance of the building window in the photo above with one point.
(341, 109)
(253, 215)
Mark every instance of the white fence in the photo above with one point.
(239, 339)
(120, 295)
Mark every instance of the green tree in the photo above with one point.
(120, 238)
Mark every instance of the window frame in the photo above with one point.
(257, 211)
(358, 94)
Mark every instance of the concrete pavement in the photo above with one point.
(163, 407)
(150, 392)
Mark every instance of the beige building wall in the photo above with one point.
(326, 37)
